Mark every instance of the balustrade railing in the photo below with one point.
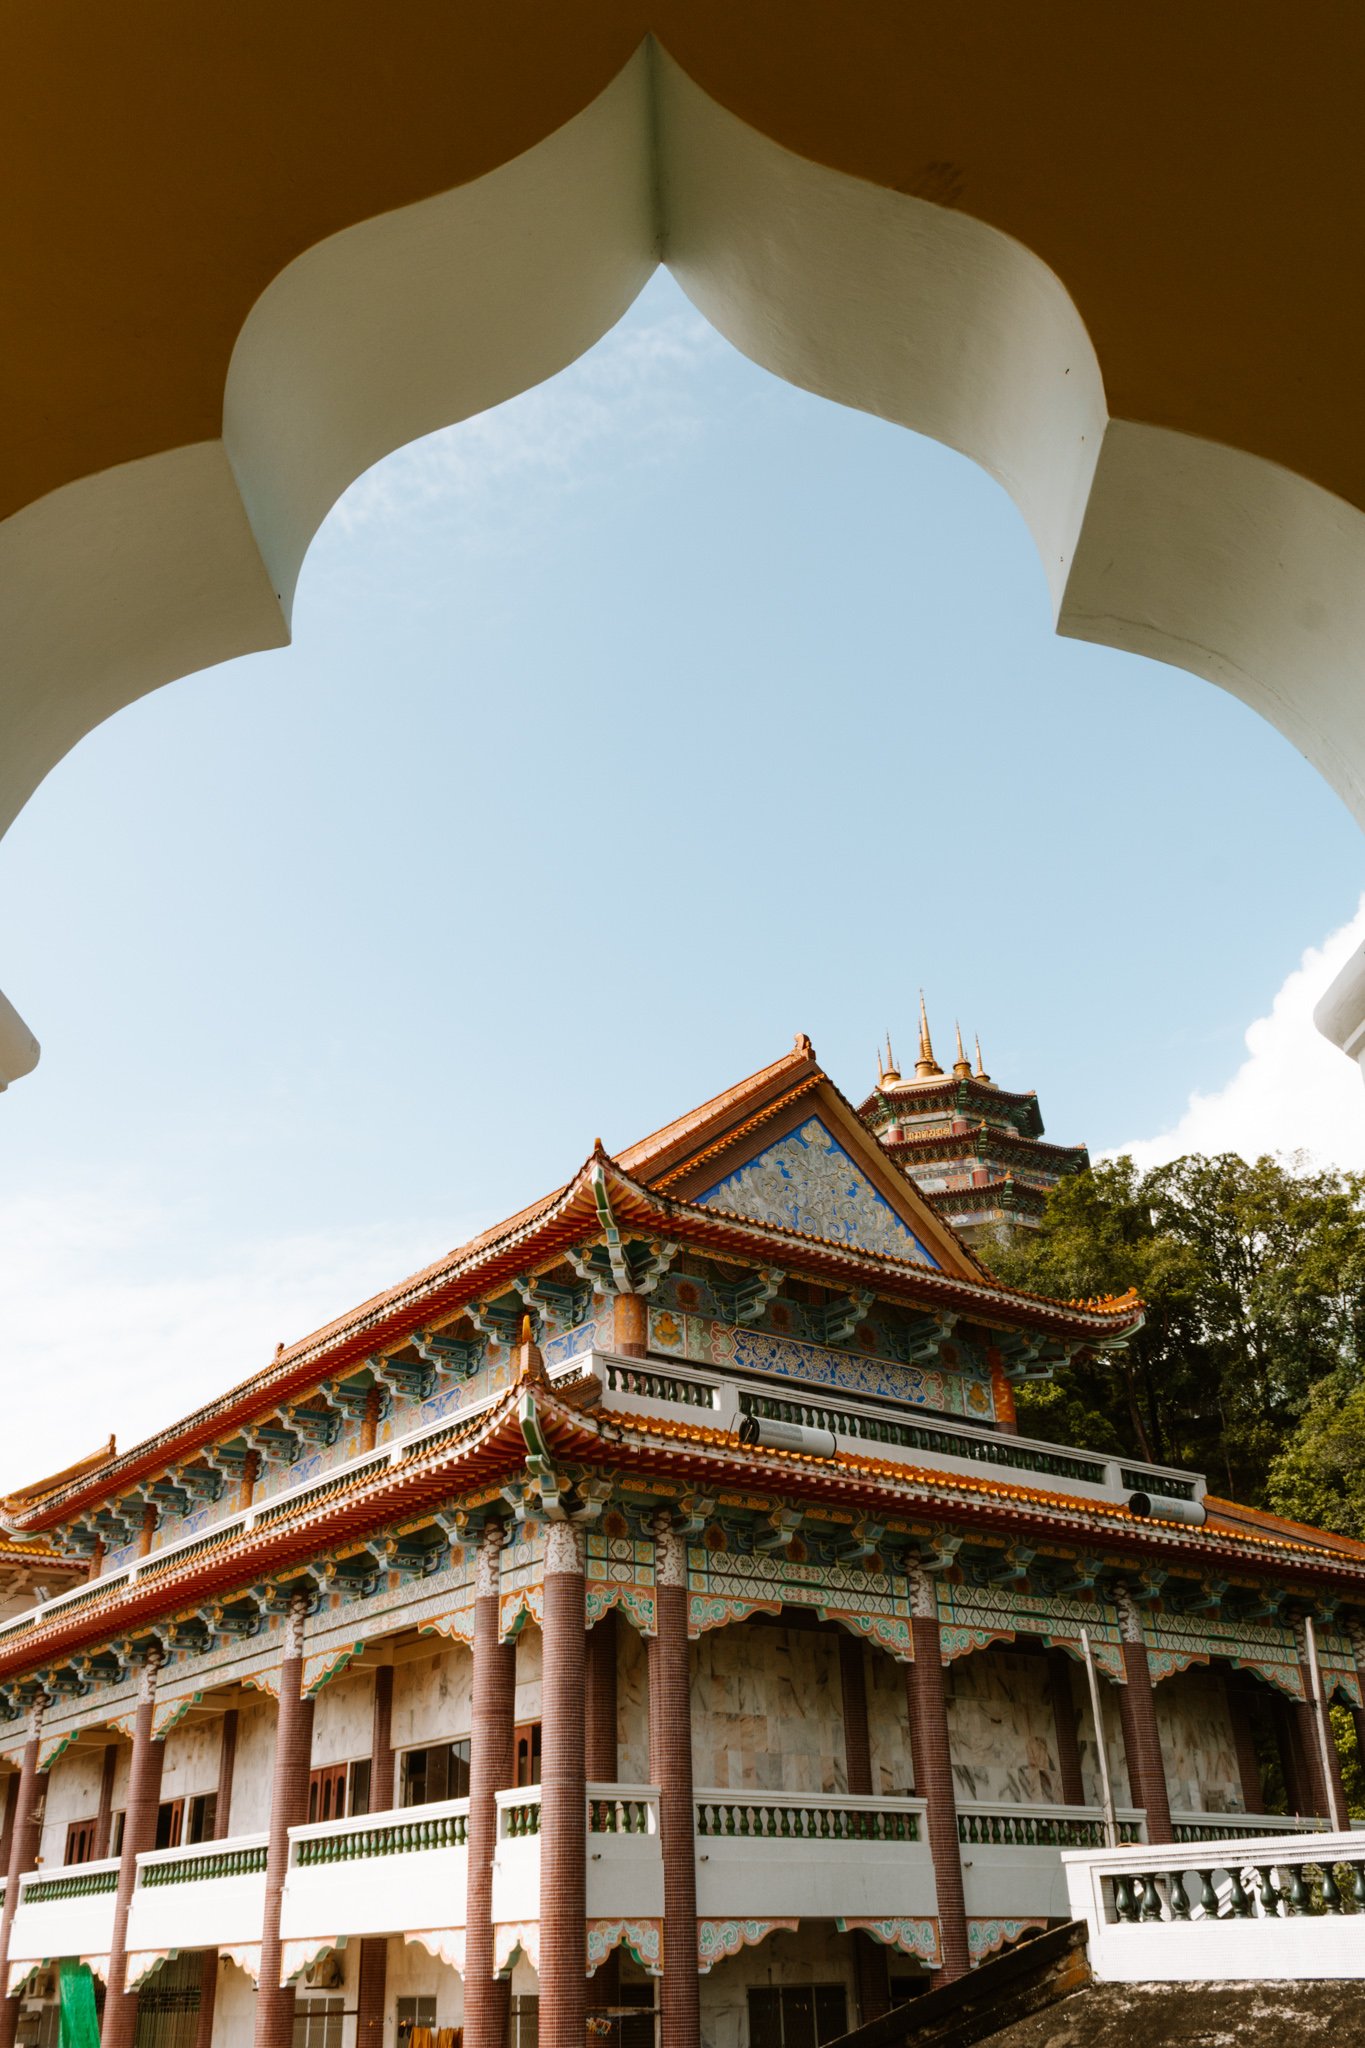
(1196, 1910)
(782, 1817)
(405, 1831)
(243, 1856)
(647, 1382)
(1041, 1827)
(623, 1809)
(519, 1814)
(84, 1881)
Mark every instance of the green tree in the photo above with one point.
(1319, 1477)
(1253, 1275)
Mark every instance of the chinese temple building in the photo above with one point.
(647, 1621)
(976, 1150)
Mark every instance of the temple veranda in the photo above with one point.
(649, 1619)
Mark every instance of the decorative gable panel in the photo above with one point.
(806, 1181)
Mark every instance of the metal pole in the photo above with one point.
(1336, 1809)
(1111, 1822)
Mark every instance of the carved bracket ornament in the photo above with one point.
(719, 1939)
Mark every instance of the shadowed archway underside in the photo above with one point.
(256, 252)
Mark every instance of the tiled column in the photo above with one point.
(23, 1855)
(372, 1982)
(1137, 1708)
(934, 1777)
(7, 1825)
(630, 1325)
(288, 1809)
(491, 1744)
(670, 1768)
(869, 1956)
(222, 1827)
(563, 1796)
(1064, 1723)
(139, 1834)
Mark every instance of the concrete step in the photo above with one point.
(1193, 2016)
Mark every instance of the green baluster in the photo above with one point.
(1270, 1898)
(1237, 1898)
(1151, 1897)
(1180, 1905)
(1331, 1895)
(1296, 1898)
(1124, 1903)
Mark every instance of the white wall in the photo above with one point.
(431, 1697)
(815, 1953)
(73, 1793)
(193, 1752)
(253, 1767)
(343, 1719)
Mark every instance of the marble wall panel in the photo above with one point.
(253, 1767)
(814, 1953)
(431, 1697)
(1001, 1730)
(888, 1724)
(767, 1710)
(632, 1705)
(343, 1719)
(1197, 1746)
(530, 1651)
(73, 1793)
(192, 1752)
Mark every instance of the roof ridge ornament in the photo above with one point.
(927, 1067)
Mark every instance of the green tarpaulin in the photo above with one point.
(80, 2028)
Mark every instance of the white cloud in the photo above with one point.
(1294, 1092)
(632, 396)
(123, 1324)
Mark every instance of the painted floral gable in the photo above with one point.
(806, 1181)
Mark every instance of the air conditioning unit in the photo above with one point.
(325, 1974)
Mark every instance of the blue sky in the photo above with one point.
(626, 731)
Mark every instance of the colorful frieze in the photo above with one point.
(731, 1347)
(521, 1568)
(918, 1938)
(644, 1939)
(620, 1573)
(985, 1937)
(973, 1617)
(446, 1944)
(1175, 1641)
(1340, 1674)
(725, 1587)
(806, 1181)
(718, 1939)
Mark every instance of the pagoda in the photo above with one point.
(975, 1150)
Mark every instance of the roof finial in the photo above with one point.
(981, 1073)
(890, 1072)
(530, 1366)
(962, 1066)
(926, 1066)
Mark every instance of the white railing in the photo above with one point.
(805, 1817)
(395, 1872)
(64, 1912)
(402, 1831)
(1236, 1909)
(204, 1895)
(794, 1855)
(1222, 1827)
(890, 1429)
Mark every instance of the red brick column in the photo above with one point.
(600, 1735)
(563, 1796)
(7, 1826)
(139, 1834)
(222, 1827)
(491, 1746)
(630, 1326)
(1137, 1710)
(934, 1784)
(288, 1809)
(869, 1956)
(1064, 1722)
(23, 1855)
(372, 1982)
(670, 1765)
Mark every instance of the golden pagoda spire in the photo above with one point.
(981, 1073)
(890, 1072)
(926, 1066)
(962, 1066)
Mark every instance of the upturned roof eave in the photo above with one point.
(564, 1221)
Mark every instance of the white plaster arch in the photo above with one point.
(1152, 541)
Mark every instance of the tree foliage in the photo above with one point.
(1251, 1363)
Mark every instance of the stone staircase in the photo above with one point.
(1041, 1994)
